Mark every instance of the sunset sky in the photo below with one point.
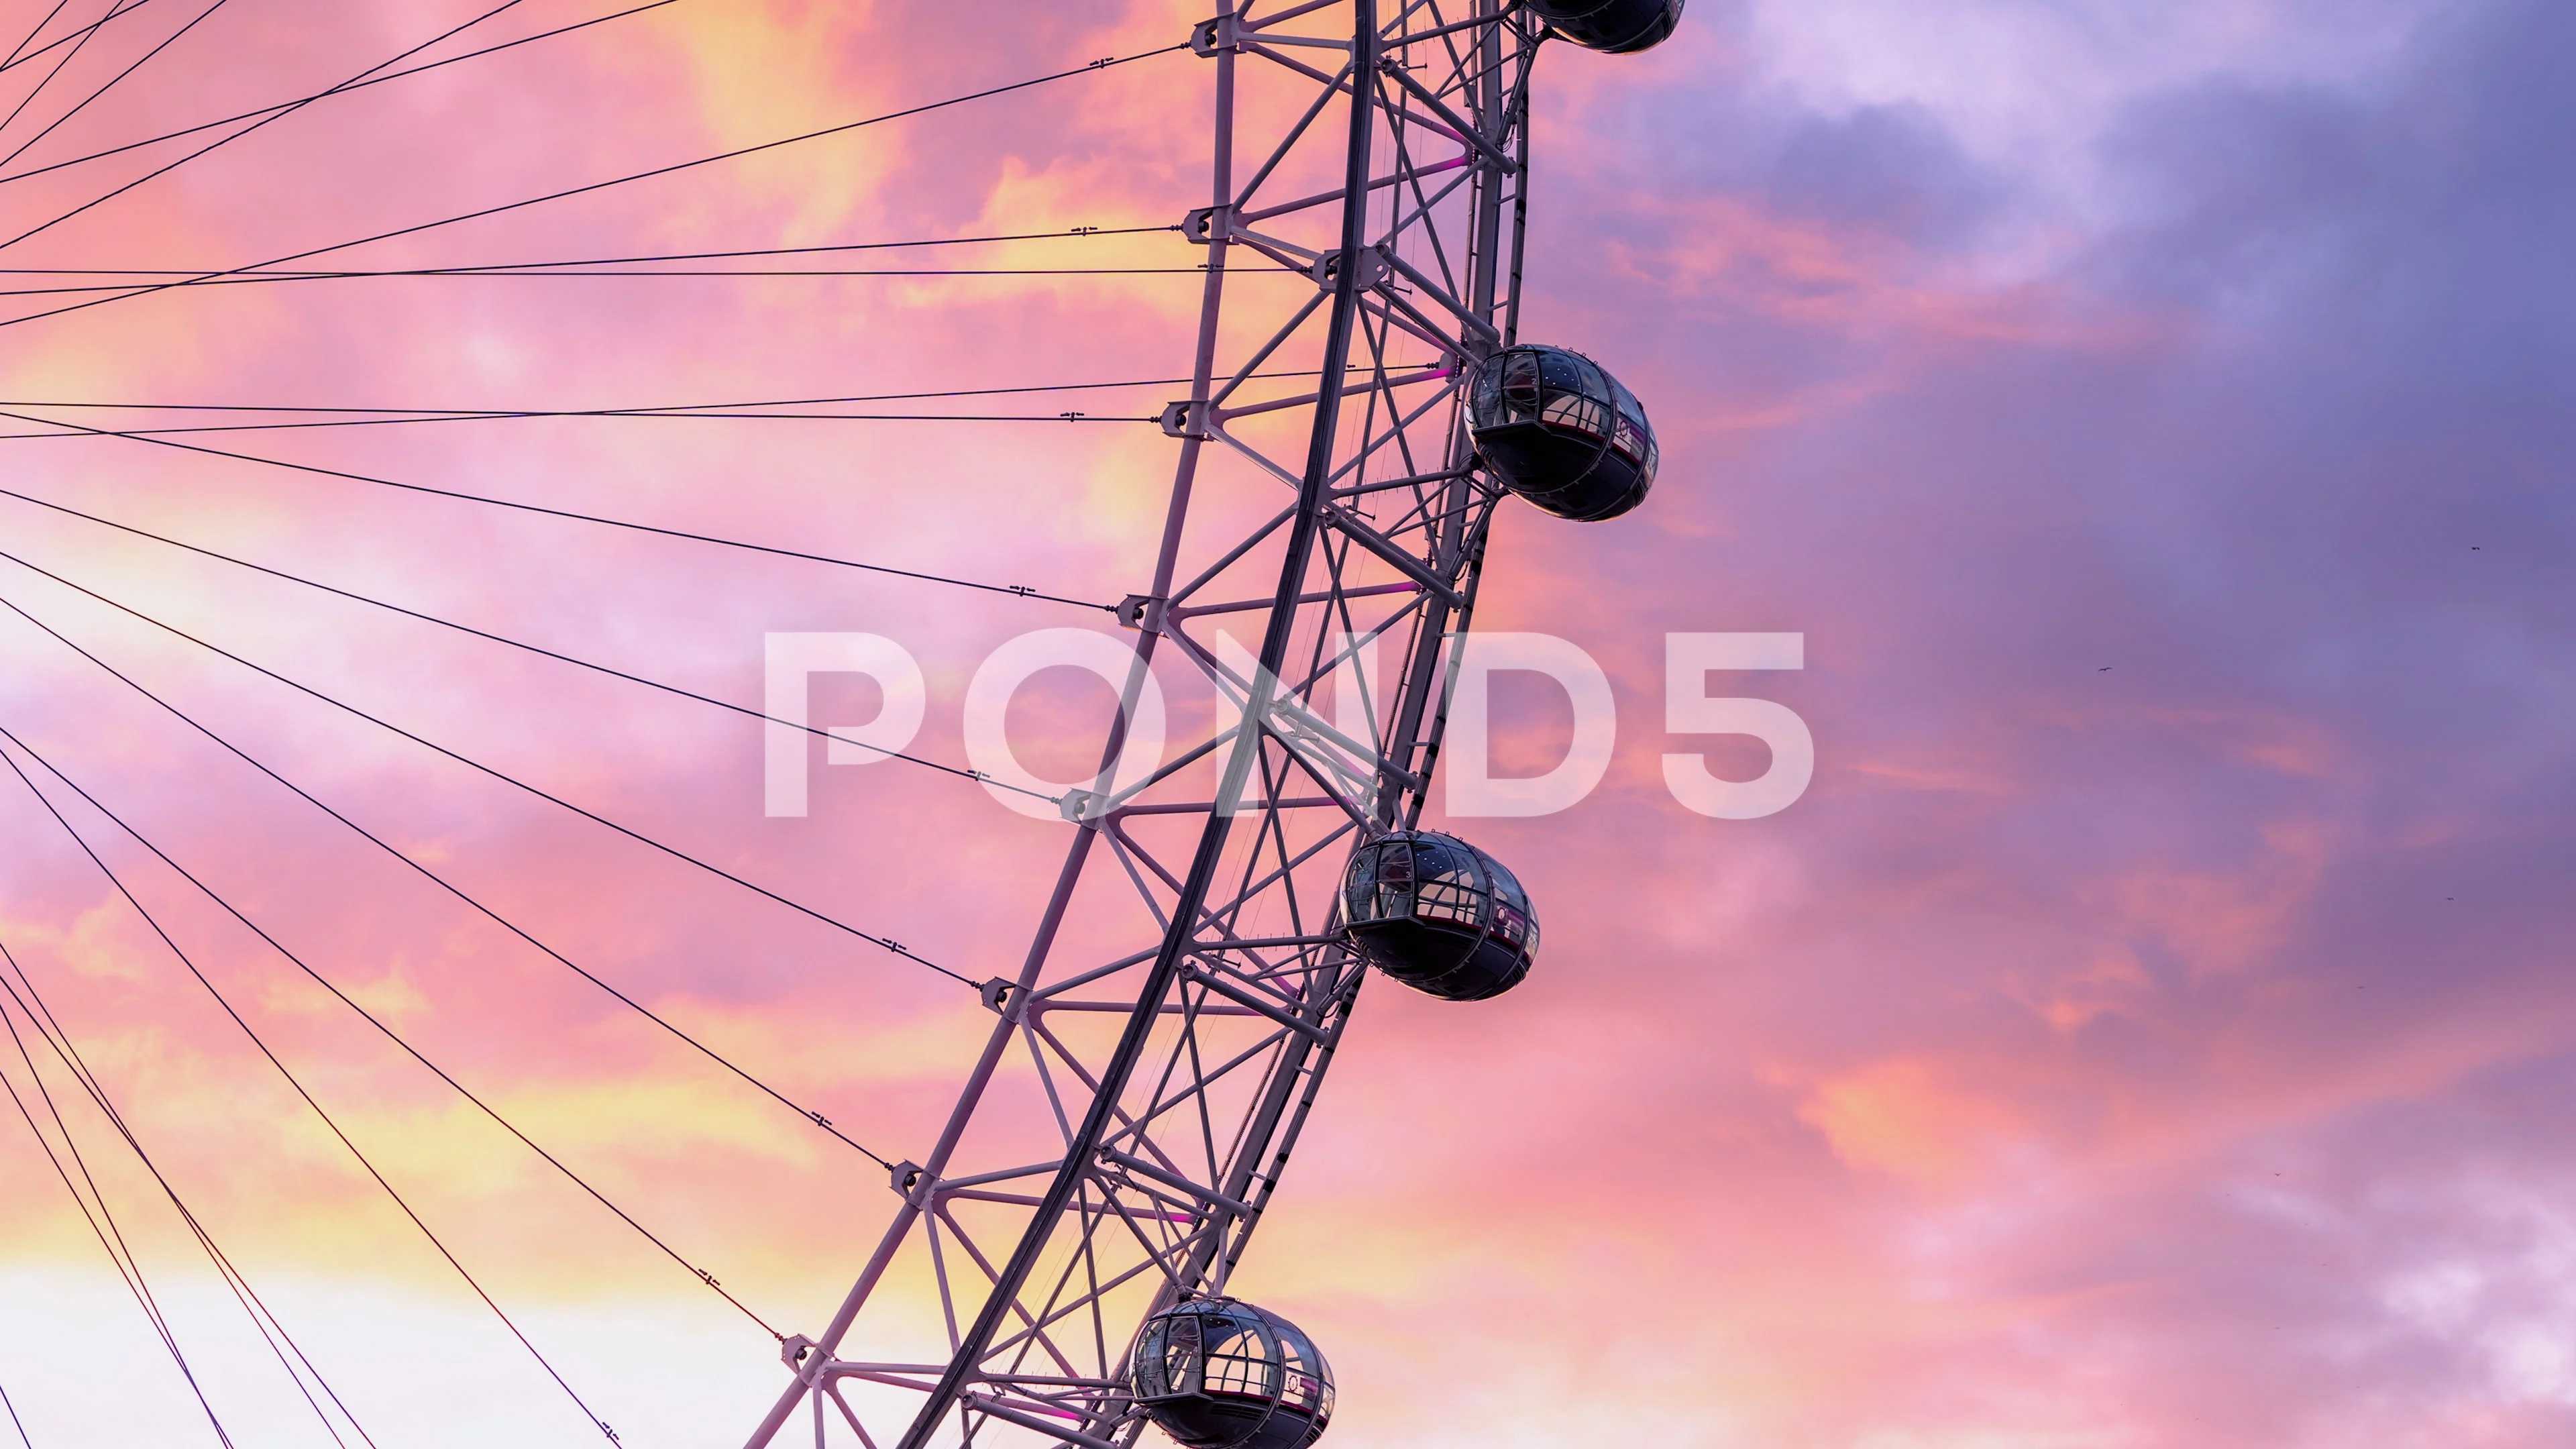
(2153, 1029)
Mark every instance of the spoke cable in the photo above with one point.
(388, 1032)
(1021, 590)
(128, 1268)
(1068, 234)
(1103, 64)
(12, 59)
(674, 410)
(807, 911)
(264, 279)
(263, 1320)
(341, 89)
(613, 673)
(141, 1294)
(327, 1120)
(710, 1053)
(79, 36)
(14, 1421)
(235, 136)
(1075, 417)
(51, 76)
(110, 83)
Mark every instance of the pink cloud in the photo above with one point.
(2148, 1031)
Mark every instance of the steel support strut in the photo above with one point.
(1166, 1143)
(1238, 771)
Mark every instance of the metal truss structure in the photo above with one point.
(1150, 1067)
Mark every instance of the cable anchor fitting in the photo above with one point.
(910, 1180)
(1185, 419)
(1140, 612)
(998, 998)
(1209, 223)
(1221, 33)
(1370, 267)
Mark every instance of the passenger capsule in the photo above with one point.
(1217, 1374)
(1558, 430)
(1616, 26)
(1439, 915)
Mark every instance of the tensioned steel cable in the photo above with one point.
(1021, 590)
(745, 710)
(701, 272)
(676, 410)
(142, 1297)
(716, 417)
(14, 1421)
(263, 1319)
(113, 1239)
(89, 1215)
(1102, 64)
(128, 1268)
(51, 76)
(389, 1033)
(110, 83)
(386, 417)
(291, 1081)
(710, 1053)
(244, 131)
(58, 1039)
(885, 943)
(343, 88)
(1073, 233)
(129, 1273)
(71, 37)
(30, 37)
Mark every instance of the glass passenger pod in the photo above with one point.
(1214, 1373)
(1439, 915)
(1616, 26)
(1556, 428)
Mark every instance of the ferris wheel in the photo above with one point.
(1151, 1060)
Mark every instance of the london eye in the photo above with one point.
(1054, 1255)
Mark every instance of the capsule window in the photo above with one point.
(1309, 1383)
(1630, 442)
(1570, 371)
(1381, 884)
(1450, 887)
(1397, 864)
(1169, 1360)
(1240, 1363)
(1520, 383)
(1574, 411)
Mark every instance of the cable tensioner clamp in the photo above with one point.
(1220, 33)
(1208, 223)
(1184, 419)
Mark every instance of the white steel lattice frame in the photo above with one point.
(1158, 1148)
